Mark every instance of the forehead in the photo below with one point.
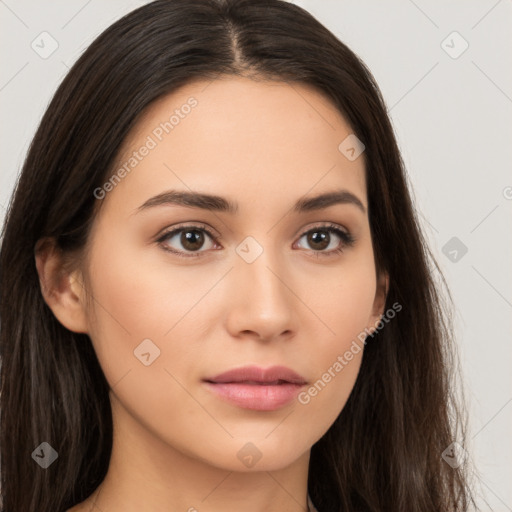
(239, 138)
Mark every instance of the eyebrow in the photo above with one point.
(221, 204)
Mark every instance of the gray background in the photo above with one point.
(452, 117)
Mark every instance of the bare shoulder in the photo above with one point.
(81, 507)
(86, 505)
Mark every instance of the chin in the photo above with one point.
(245, 455)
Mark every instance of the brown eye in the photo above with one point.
(327, 240)
(318, 239)
(186, 240)
(192, 240)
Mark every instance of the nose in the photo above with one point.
(262, 304)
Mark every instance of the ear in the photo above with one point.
(379, 302)
(62, 290)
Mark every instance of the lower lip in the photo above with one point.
(258, 397)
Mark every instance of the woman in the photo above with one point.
(215, 291)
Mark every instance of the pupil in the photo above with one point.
(192, 240)
(319, 238)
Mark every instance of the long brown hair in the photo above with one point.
(383, 453)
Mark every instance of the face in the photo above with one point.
(185, 291)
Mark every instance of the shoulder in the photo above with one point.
(81, 507)
(311, 506)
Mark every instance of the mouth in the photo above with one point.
(252, 382)
(274, 375)
(255, 388)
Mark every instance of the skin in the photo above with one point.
(264, 145)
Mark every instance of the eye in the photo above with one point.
(321, 238)
(191, 239)
(187, 241)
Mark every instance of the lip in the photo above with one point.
(256, 388)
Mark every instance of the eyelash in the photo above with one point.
(347, 239)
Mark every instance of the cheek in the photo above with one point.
(346, 310)
(345, 302)
(136, 299)
(148, 326)
(146, 302)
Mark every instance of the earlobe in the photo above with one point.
(379, 302)
(62, 290)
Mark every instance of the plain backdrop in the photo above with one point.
(444, 70)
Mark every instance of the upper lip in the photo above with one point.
(258, 374)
